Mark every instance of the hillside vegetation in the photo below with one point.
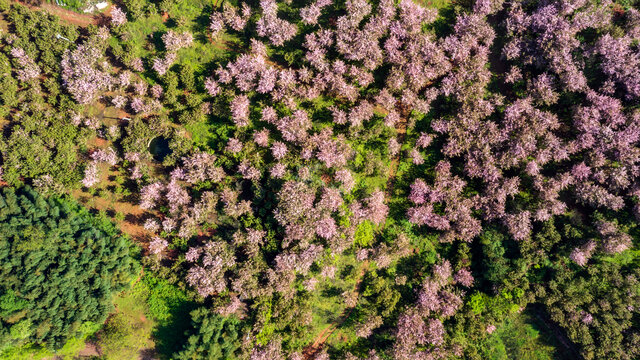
(324, 179)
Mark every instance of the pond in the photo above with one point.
(159, 148)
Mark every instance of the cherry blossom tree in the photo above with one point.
(118, 17)
(581, 255)
(83, 73)
(162, 65)
(174, 41)
(312, 12)
(276, 29)
(91, 175)
(157, 245)
(240, 110)
(28, 69)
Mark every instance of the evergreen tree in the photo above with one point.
(213, 337)
(60, 267)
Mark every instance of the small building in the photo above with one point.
(93, 6)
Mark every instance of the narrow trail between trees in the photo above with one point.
(312, 350)
(570, 349)
(69, 16)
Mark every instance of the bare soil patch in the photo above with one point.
(69, 16)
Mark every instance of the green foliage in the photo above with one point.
(187, 78)
(380, 293)
(135, 8)
(36, 32)
(364, 234)
(520, 337)
(163, 298)
(42, 145)
(40, 140)
(212, 337)
(605, 292)
(498, 267)
(477, 302)
(152, 309)
(123, 336)
(169, 306)
(10, 303)
(30, 351)
(60, 268)
(140, 132)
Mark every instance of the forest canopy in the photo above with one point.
(324, 179)
(61, 266)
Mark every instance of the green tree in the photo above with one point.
(60, 267)
(212, 337)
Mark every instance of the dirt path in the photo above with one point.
(570, 349)
(90, 350)
(312, 350)
(69, 16)
(132, 213)
(113, 203)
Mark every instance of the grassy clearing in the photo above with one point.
(170, 307)
(524, 337)
(438, 4)
(329, 309)
(128, 331)
(150, 320)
